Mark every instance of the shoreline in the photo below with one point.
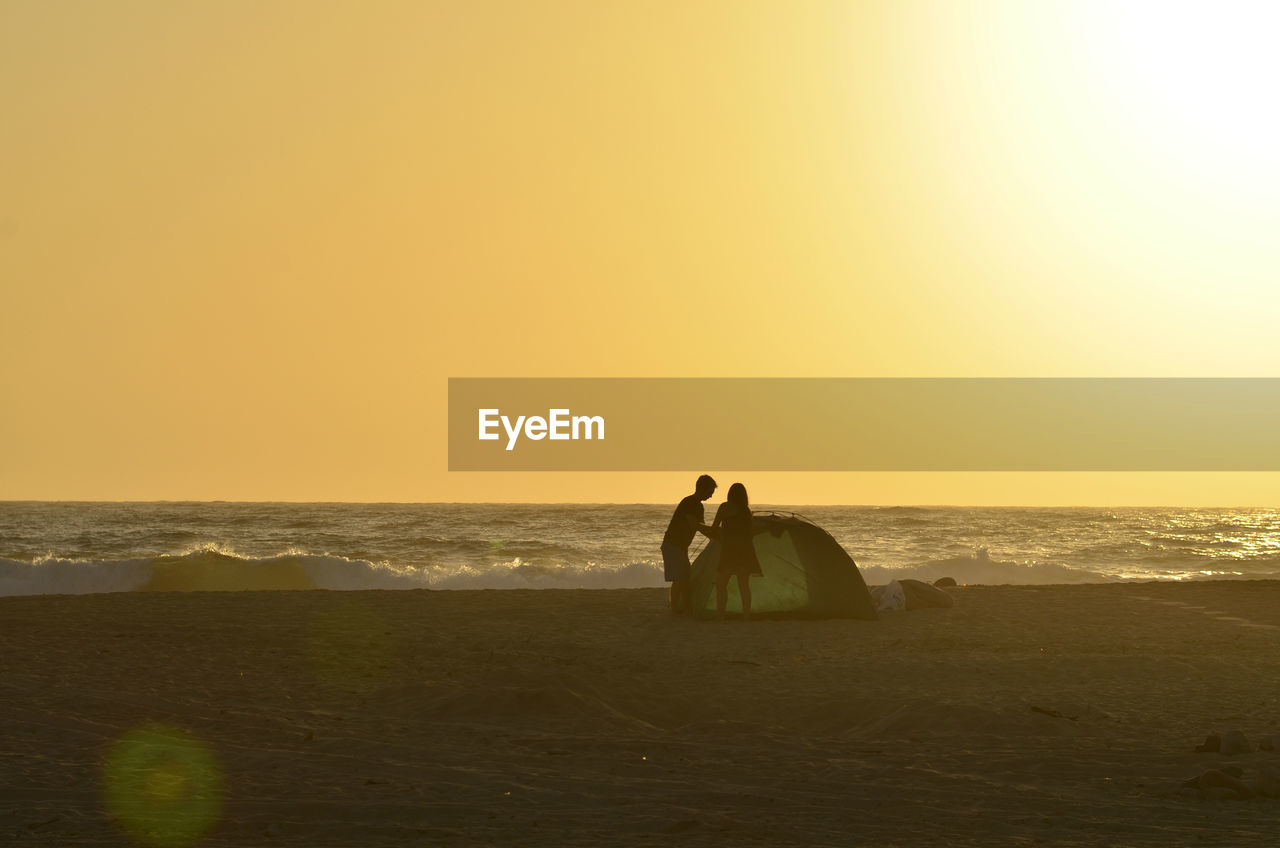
(289, 579)
(546, 717)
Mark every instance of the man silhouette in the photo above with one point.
(687, 520)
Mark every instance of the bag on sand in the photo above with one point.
(889, 598)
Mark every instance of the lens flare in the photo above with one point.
(163, 786)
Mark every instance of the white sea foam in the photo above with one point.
(216, 568)
(54, 576)
(981, 569)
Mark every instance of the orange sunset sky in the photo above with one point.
(243, 245)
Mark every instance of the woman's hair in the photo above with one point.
(738, 496)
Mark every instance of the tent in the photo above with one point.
(806, 574)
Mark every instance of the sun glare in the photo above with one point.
(1202, 74)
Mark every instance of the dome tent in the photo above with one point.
(806, 574)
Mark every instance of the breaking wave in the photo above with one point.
(217, 569)
(981, 569)
(213, 569)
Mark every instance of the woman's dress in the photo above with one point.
(738, 555)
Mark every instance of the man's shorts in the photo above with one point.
(675, 563)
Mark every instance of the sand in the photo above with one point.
(1025, 715)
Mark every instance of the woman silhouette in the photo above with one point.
(737, 552)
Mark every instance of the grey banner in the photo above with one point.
(864, 424)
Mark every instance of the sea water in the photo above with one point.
(77, 547)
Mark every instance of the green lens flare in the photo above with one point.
(163, 785)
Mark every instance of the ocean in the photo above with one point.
(79, 547)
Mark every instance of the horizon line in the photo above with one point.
(627, 503)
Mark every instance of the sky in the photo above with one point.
(244, 245)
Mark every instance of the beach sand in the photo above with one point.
(1024, 715)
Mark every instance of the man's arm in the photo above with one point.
(711, 531)
(705, 529)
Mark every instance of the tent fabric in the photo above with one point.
(806, 574)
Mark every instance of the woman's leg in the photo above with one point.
(722, 593)
(744, 592)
